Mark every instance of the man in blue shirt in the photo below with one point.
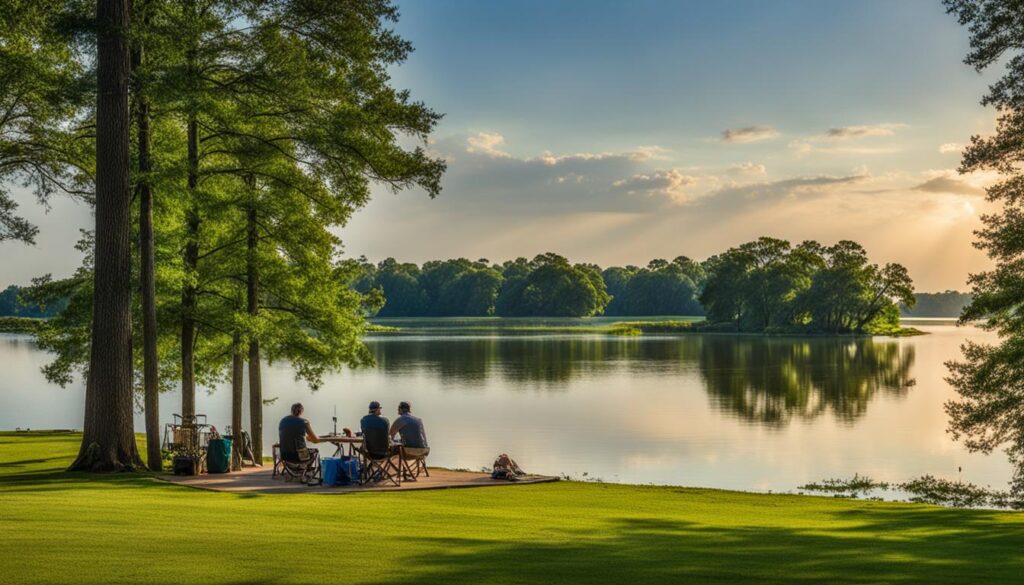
(410, 427)
(375, 433)
(294, 432)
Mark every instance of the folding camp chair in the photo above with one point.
(307, 469)
(376, 469)
(278, 463)
(412, 464)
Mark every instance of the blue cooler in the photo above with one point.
(332, 470)
(340, 470)
(350, 470)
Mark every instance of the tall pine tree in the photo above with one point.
(108, 440)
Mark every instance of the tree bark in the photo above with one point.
(188, 291)
(150, 373)
(108, 440)
(237, 381)
(252, 299)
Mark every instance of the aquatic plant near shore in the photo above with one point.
(926, 489)
(854, 487)
(957, 494)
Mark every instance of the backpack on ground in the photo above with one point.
(506, 468)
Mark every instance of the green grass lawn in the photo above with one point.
(131, 528)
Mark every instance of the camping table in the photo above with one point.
(339, 441)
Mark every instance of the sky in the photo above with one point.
(618, 132)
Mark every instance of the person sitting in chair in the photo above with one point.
(375, 433)
(294, 432)
(410, 427)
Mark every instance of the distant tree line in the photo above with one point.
(11, 305)
(546, 286)
(950, 303)
(549, 286)
(762, 285)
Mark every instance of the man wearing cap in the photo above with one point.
(375, 433)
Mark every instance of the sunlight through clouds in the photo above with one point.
(618, 206)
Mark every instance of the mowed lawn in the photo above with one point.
(131, 528)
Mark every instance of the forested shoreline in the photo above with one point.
(761, 286)
(945, 305)
(768, 285)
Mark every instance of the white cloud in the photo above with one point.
(853, 132)
(486, 143)
(951, 147)
(825, 143)
(804, 147)
(483, 178)
(735, 198)
(652, 152)
(668, 184)
(641, 153)
(749, 134)
(749, 169)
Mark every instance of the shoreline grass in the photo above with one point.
(57, 527)
(19, 324)
(693, 326)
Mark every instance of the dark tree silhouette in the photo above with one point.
(990, 379)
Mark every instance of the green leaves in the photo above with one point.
(550, 286)
(663, 288)
(990, 379)
(42, 109)
(769, 284)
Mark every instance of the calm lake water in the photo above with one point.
(706, 410)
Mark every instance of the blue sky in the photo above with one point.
(616, 132)
(567, 76)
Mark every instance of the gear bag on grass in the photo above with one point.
(506, 468)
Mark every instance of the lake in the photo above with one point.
(729, 411)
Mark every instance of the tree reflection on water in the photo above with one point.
(771, 380)
(762, 380)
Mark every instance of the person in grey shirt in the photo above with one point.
(410, 427)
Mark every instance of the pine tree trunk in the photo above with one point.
(237, 381)
(108, 440)
(188, 291)
(255, 401)
(150, 373)
(255, 385)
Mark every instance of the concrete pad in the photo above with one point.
(260, 480)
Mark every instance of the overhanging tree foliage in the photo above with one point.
(990, 379)
(44, 96)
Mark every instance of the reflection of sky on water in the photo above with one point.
(736, 412)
